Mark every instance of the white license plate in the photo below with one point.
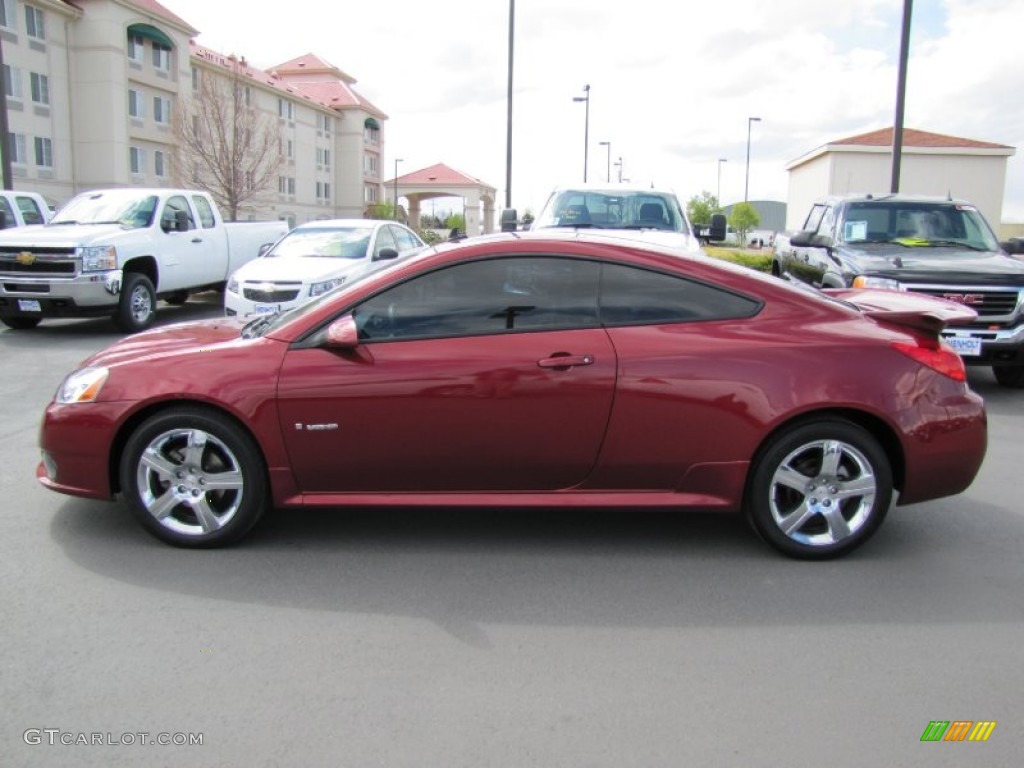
(965, 346)
(29, 305)
(265, 309)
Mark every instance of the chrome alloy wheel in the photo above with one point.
(822, 493)
(140, 304)
(189, 481)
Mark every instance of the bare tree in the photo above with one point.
(224, 144)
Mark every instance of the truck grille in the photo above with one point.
(274, 295)
(987, 302)
(38, 261)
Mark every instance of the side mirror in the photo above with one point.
(1013, 246)
(343, 334)
(386, 253)
(509, 220)
(809, 239)
(716, 231)
(264, 249)
(181, 221)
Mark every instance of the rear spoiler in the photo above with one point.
(914, 310)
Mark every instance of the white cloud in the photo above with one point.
(672, 84)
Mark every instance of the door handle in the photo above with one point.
(563, 361)
(197, 239)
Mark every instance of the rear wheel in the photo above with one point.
(193, 478)
(21, 323)
(1009, 376)
(820, 490)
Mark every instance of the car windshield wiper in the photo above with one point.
(258, 326)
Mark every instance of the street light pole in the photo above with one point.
(746, 180)
(608, 173)
(718, 194)
(395, 213)
(508, 134)
(586, 127)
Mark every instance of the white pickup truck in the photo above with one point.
(116, 251)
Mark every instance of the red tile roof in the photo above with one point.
(440, 175)
(915, 138)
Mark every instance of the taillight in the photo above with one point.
(938, 356)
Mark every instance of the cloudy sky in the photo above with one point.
(672, 83)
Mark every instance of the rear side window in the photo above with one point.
(633, 296)
(30, 210)
(205, 211)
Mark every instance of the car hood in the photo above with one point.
(307, 269)
(935, 264)
(194, 337)
(61, 235)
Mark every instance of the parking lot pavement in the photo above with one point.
(456, 638)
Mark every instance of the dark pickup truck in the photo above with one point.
(935, 246)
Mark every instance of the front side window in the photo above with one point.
(40, 88)
(634, 296)
(44, 152)
(174, 206)
(505, 295)
(29, 208)
(35, 24)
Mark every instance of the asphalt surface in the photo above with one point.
(500, 638)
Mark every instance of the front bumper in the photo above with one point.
(83, 295)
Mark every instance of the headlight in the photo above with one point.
(317, 288)
(233, 285)
(82, 386)
(97, 258)
(866, 281)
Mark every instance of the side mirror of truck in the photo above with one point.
(809, 239)
(509, 220)
(1013, 246)
(716, 232)
(181, 221)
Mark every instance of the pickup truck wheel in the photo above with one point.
(137, 307)
(193, 478)
(819, 490)
(1009, 376)
(177, 299)
(21, 323)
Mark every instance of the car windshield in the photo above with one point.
(111, 206)
(330, 242)
(918, 224)
(612, 209)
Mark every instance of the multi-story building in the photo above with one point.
(92, 88)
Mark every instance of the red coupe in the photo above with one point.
(533, 370)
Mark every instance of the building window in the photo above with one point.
(323, 157)
(136, 104)
(159, 169)
(40, 88)
(286, 185)
(247, 91)
(323, 191)
(370, 193)
(323, 124)
(161, 109)
(12, 82)
(136, 160)
(136, 48)
(372, 134)
(7, 13)
(35, 26)
(195, 78)
(285, 109)
(370, 164)
(16, 143)
(44, 152)
(161, 57)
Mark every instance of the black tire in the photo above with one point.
(177, 298)
(808, 509)
(189, 451)
(21, 323)
(1011, 376)
(137, 305)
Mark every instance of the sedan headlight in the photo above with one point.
(317, 288)
(98, 258)
(82, 386)
(867, 281)
(233, 284)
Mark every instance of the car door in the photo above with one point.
(491, 375)
(810, 264)
(189, 257)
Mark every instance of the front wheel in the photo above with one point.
(1011, 376)
(193, 478)
(820, 490)
(137, 305)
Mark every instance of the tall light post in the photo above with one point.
(586, 127)
(746, 179)
(718, 193)
(608, 173)
(395, 214)
(508, 133)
